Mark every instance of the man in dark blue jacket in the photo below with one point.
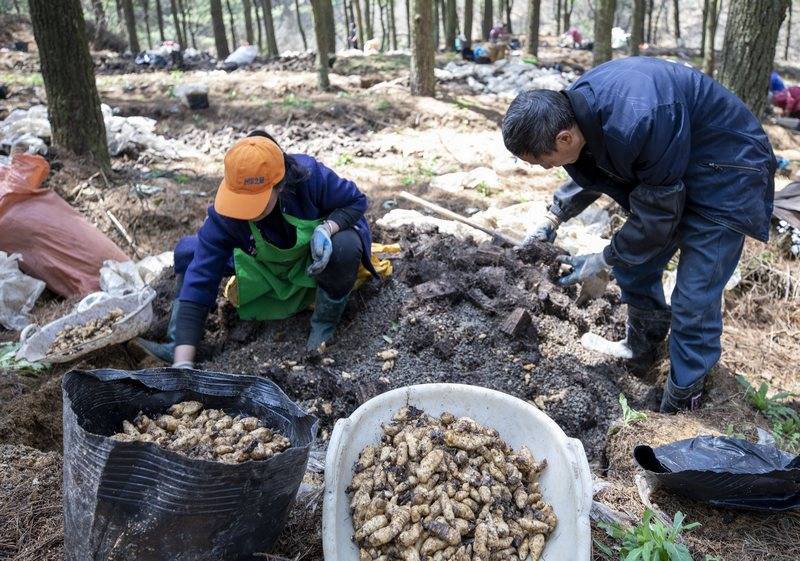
(692, 166)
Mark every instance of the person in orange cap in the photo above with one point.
(291, 231)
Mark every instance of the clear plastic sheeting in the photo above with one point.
(125, 134)
(122, 277)
(242, 56)
(18, 292)
(505, 77)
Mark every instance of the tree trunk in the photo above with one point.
(637, 26)
(16, 7)
(299, 24)
(534, 12)
(321, 28)
(442, 18)
(160, 20)
(408, 23)
(68, 72)
(100, 22)
(368, 20)
(185, 22)
(130, 25)
(384, 35)
(269, 28)
(346, 25)
(468, 16)
(709, 58)
(120, 17)
(234, 41)
(146, 10)
(509, 6)
(179, 37)
(650, 6)
(218, 24)
(788, 34)
(676, 11)
(569, 5)
(259, 29)
(658, 17)
(359, 22)
(393, 23)
(451, 23)
(423, 81)
(487, 23)
(558, 17)
(435, 25)
(331, 23)
(751, 37)
(603, 22)
(705, 27)
(248, 21)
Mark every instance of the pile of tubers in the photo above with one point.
(447, 488)
(73, 335)
(206, 434)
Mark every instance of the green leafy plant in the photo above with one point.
(383, 105)
(344, 160)
(630, 416)
(731, 431)
(292, 100)
(650, 540)
(9, 361)
(783, 419)
(484, 189)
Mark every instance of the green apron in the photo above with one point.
(273, 284)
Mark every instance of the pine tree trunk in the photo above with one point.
(359, 22)
(68, 72)
(658, 17)
(368, 20)
(299, 24)
(468, 16)
(676, 11)
(248, 21)
(408, 23)
(509, 6)
(751, 37)
(705, 24)
(100, 22)
(709, 58)
(179, 37)
(16, 7)
(451, 23)
(146, 10)
(120, 16)
(423, 81)
(534, 13)
(393, 23)
(130, 26)
(603, 22)
(442, 16)
(436, 25)
(788, 34)
(321, 28)
(185, 23)
(234, 41)
(346, 25)
(558, 18)
(218, 24)
(384, 35)
(569, 5)
(269, 28)
(331, 23)
(637, 26)
(259, 29)
(486, 22)
(650, 6)
(160, 18)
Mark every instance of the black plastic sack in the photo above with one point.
(725, 472)
(131, 501)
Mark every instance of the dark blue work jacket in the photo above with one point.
(207, 257)
(662, 137)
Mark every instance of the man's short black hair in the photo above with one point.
(295, 172)
(534, 119)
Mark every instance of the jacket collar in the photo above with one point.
(588, 121)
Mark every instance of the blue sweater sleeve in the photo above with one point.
(214, 248)
(337, 198)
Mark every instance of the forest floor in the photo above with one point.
(369, 129)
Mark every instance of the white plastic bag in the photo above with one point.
(18, 292)
(123, 277)
(243, 56)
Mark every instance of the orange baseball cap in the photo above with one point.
(253, 166)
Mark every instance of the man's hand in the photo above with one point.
(543, 231)
(183, 364)
(321, 247)
(583, 267)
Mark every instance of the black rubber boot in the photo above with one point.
(677, 398)
(645, 333)
(327, 315)
(165, 351)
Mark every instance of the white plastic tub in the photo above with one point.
(566, 483)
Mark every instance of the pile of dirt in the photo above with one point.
(34, 418)
(443, 313)
(31, 521)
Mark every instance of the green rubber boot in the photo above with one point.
(327, 315)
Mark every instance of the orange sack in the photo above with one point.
(57, 244)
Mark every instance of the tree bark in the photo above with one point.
(259, 29)
(751, 37)
(423, 81)
(788, 34)
(705, 27)
(359, 22)
(234, 41)
(146, 10)
(321, 29)
(299, 24)
(509, 5)
(468, 16)
(160, 19)
(534, 12)
(218, 24)
(658, 17)
(637, 26)
(709, 58)
(569, 6)
(331, 23)
(120, 16)
(384, 34)
(248, 21)
(185, 23)
(487, 22)
(393, 23)
(368, 20)
(442, 18)
(558, 17)
(269, 28)
(676, 11)
(408, 23)
(100, 22)
(649, 25)
(72, 101)
(179, 37)
(451, 23)
(130, 25)
(603, 22)
(435, 25)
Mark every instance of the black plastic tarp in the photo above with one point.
(131, 501)
(725, 472)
